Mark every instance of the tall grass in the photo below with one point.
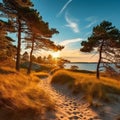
(21, 98)
(88, 84)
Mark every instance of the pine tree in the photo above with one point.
(104, 37)
(14, 9)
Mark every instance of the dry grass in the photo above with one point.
(88, 84)
(21, 98)
(62, 77)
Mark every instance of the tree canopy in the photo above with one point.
(7, 49)
(25, 19)
(105, 37)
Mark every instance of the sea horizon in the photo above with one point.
(90, 66)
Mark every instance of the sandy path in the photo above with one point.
(68, 107)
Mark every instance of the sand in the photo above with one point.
(75, 107)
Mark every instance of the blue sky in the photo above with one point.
(74, 19)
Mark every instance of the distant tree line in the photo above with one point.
(58, 62)
(20, 18)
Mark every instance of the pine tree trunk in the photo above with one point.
(98, 66)
(99, 61)
(31, 52)
(18, 46)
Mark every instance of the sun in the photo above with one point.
(55, 54)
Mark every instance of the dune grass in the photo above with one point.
(41, 74)
(21, 97)
(88, 84)
(62, 77)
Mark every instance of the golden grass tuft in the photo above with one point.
(21, 96)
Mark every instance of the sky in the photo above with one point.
(74, 19)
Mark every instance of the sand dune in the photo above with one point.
(70, 107)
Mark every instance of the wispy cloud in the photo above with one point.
(92, 20)
(72, 23)
(66, 42)
(64, 7)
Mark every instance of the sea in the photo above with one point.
(82, 66)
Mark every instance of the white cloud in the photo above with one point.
(72, 23)
(92, 20)
(64, 7)
(66, 42)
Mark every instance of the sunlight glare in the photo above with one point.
(55, 54)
